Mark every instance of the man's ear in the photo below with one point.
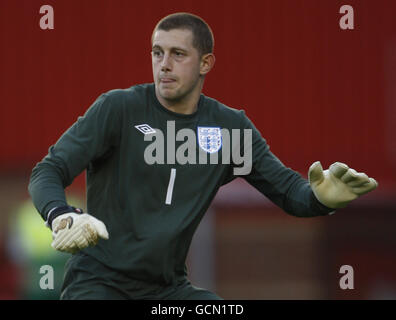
(207, 63)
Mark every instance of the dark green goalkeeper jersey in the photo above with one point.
(151, 210)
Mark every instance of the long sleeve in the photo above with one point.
(283, 186)
(88, 139)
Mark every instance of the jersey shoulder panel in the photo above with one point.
(224, 113)
(133, 96)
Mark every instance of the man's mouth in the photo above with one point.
(167, 80)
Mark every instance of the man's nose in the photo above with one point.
(166, 64)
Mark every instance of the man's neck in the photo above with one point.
(187, 105)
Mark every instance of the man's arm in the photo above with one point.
(86, 140)
(287, 189)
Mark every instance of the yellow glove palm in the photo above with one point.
(338, 185)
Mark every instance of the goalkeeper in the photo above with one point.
(133, 240)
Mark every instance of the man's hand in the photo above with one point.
(72, 232)
(338, 185)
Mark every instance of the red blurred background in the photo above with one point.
(315, 91)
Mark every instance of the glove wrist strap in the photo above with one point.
(56, 212)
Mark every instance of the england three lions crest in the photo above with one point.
(209, 139)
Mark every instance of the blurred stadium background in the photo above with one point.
(315, 92)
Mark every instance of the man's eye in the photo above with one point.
(156, 53)
(179, 54)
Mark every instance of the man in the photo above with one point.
(142, 211)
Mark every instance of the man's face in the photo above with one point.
(176, 64)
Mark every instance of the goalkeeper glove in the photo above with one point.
(73, 230)
(338, 185)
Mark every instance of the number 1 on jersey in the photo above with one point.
(170, 186)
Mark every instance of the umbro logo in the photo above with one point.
(145, 128)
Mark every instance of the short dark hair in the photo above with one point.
(203, 39)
